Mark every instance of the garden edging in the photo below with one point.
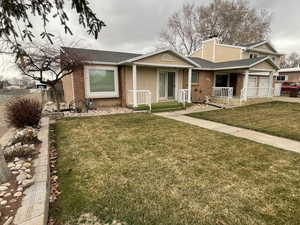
(35, 204)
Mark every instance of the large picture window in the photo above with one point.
(101, 82)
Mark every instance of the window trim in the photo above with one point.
(221, 73)
(286, 78)
(112, 94)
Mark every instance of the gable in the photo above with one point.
(165, 58)
(265, 47)
(264, 66)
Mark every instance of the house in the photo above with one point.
(215, 70)
(289, 75)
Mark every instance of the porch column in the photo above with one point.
(134, 85)
(271, 84)
(246, 79)
(190, 86)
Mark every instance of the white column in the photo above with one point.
(134, 85)
(246, 79)
(190, 86)
(271, 84)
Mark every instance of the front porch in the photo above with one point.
(243, 85)
(158, 84)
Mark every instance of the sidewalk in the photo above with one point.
(278, 142)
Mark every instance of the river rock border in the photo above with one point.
(35, 203)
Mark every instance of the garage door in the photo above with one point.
(258, 87)
(252, 86)
(263, 84)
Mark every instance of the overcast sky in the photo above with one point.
(134, 25)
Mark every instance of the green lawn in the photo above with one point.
(168, 106)
(141, 169)
(275, 118)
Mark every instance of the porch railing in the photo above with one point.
(257, 92)
(139, 97)
(183, 96)
(222, 92)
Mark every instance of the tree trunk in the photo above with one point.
(4, 172)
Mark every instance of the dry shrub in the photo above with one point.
(22, 112)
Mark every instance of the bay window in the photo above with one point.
(101, 82)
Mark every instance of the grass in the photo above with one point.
(163, 106)
(142, 169)
(275, 118)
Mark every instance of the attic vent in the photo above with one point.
(167, 58)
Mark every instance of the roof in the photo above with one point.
(120, 58)
(253, 44)
(100, 55)
(237, 64)
(203, 62)
(295, 69)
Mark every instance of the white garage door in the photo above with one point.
(258, 86)
(263, 84)
(252, 86)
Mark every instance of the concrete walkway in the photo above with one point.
(278, 142)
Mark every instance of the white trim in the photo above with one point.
(101, 63)
(176, 83)
(88, 94)
(245, 85)
(210, 39)
(222, 73)
(134, 84)
(263, 43)
(295, 69)
(214, 51)
(190, 86)
(157, 85)
(162, 65)
(231, 46)
(159, 52)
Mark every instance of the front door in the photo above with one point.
(167, 85)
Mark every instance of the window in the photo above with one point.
(252, 56)
(101, 82)
(195, 78)
(221, 80)
(282, 77)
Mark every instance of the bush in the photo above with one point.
(22, 112)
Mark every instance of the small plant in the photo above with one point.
(22, 112)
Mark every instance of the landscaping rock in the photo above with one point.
(21, 177)
(9, 221)
(18, 194)
(27, 183)
(3, 188)
(3, 202)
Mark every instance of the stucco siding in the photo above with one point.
(164, 59)
(226, 53)
(68, 88)
(264, 66)
(208, 50)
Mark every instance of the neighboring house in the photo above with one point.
(121, 79)
(289, 75)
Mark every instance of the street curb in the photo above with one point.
(35, 204)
